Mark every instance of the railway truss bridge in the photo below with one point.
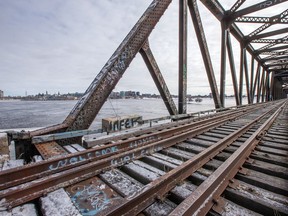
(225, 161)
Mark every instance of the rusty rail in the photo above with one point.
(161, 186)
(209, 191)
(31, 190)
(30, 172)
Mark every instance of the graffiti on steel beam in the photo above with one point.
(266, 4)
(83, 114)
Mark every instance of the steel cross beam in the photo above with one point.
(268, 34)
(256, 7)
(274, 57)
(278, 41)
(155, 72)
(204, 50)
(252, 19)
(84, 112)
(271, 49)
(236, 5)
(272, 22)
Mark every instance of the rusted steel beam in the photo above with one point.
(241, 74)
(251, 79)
(263, 85)
(267, 25)
(237, 4)
(215, 8)
(272, 86)
(279, 64)
(270, 41)
(199, 30)
(267, 87)
(252, 19)
(84, 112)
(274, 57)
(256, 81)
(223, 62)
(256, 7)
(259, 87)
(162, 185)
(29, 191)
(247, 77)
(232, 68)
(212, 188)
(182, 95)
(271, 49)
(268, 34)
(158, 79)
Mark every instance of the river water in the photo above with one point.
(34, 114)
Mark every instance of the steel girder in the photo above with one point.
(199, 30)
(256, 7)
(251, 19)
(234, 15)
(85, 111)
(89, 105)
(182, 94)
(155, 72)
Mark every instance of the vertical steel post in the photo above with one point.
(241, 74)
(259, 87)
(263, 85)
(256, 81)
(272, 86)
(232, 68)
(223, 62)
(247, 77)
(251, 78)
(182, 103)
(267, 92)
(199, 30)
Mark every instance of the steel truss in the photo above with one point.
(87, 108)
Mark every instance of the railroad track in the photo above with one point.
(188, 163)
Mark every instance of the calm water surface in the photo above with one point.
(31, 114)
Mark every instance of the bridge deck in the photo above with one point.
(231, 162)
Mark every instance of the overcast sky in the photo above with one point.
(61, 45)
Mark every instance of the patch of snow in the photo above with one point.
(24, 210)
(12, 164)
(160, 208)
(122, 182)
(37, 158)
(58, 203)
(231, 209)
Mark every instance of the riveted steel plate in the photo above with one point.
(50, 150)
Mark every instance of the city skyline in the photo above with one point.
(62, 45)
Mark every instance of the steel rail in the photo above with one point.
(30, 172)
(205, 196)
(25, 192)
(162, 185)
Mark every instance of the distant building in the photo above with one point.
(1, 94)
